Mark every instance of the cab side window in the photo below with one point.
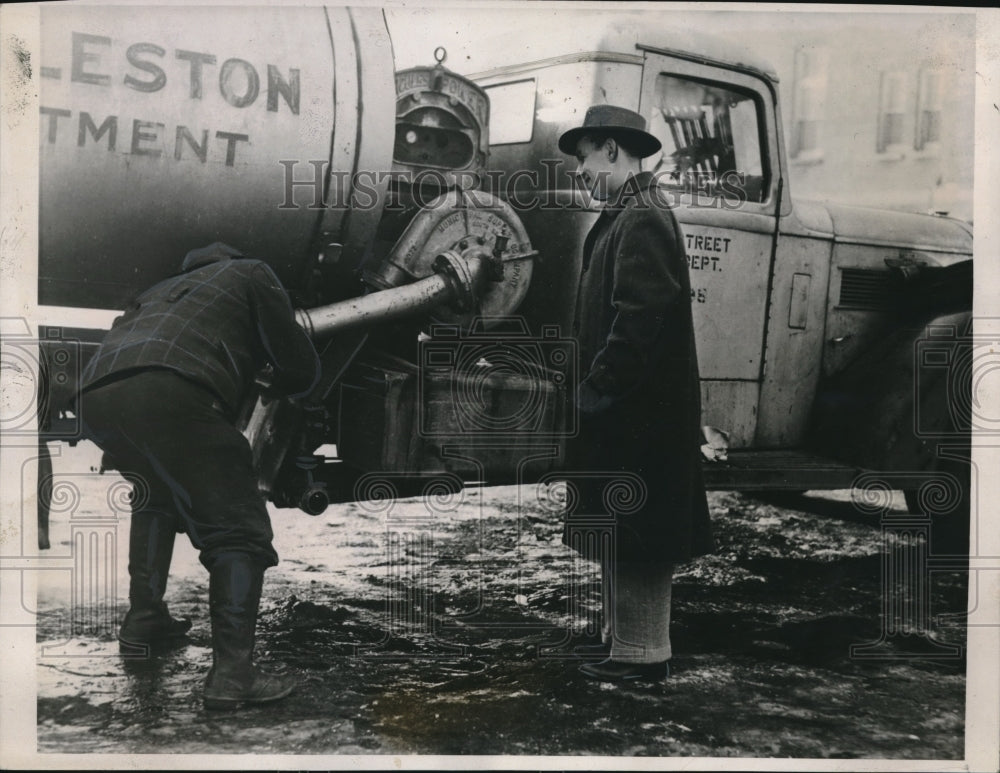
(711, 139)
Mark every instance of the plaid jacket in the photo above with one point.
(217, 323)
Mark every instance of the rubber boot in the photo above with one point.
(148, 624)
(235, 582)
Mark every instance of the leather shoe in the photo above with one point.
(616, 671)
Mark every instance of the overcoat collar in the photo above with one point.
(629, 192)
(634, 187)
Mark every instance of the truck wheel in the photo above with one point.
(947, 500)
(912, 501)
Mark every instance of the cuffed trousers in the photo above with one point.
(636, 610)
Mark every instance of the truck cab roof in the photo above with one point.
(598, 35)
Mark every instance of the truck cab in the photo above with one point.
(789, 295)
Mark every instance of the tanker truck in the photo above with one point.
(435, 263)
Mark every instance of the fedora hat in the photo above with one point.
(617, 121)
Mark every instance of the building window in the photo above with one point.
(929, 112)
(892, 113)
(809, 102)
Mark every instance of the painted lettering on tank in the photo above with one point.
(146, 67)
(93, 57)
(150, 69)
(145, 138)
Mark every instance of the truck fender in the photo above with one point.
(902, 405)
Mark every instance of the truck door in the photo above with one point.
(719, 168)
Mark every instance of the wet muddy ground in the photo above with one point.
(446, 629)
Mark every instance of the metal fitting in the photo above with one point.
(465, 271)
(496, 261)
(314, 500)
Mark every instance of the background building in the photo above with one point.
(878, 110)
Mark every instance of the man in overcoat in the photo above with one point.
(639, 400)
(161, 396)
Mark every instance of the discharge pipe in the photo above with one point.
(458, 279)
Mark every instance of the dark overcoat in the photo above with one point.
(639, 398)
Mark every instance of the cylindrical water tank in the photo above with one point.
(166, 128)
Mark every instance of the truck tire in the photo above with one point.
(947, 500)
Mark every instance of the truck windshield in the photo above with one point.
(711, 139)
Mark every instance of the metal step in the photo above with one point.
(788, 470)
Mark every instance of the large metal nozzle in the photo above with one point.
(458, 280)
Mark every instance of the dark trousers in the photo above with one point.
(187, 459)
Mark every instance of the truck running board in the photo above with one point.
(778, 470)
